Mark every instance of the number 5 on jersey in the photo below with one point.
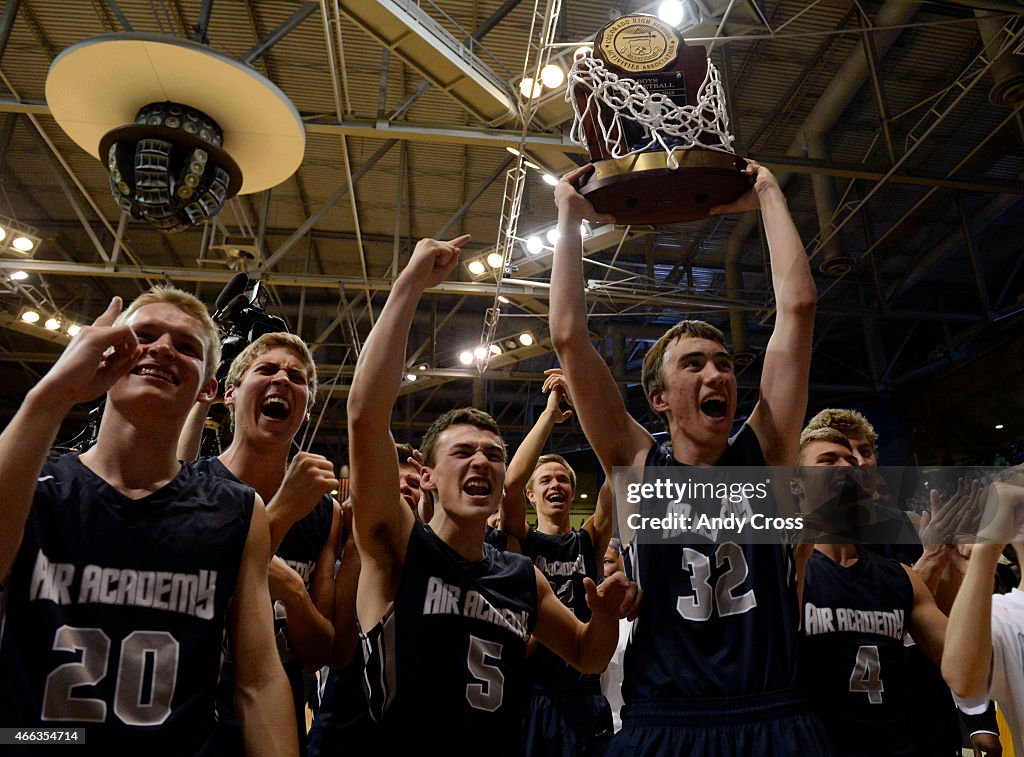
(488, 690)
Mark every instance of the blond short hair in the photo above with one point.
(821, 434)
(552, 459)
(209, 334)
(263, 344)
(849, 422)
(266, 343)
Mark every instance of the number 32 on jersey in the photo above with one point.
(719, 595)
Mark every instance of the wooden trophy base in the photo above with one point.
(642, 189)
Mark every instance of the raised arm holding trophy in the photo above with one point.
(651, 111)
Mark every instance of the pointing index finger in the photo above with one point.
(108, 316)
(459, 241)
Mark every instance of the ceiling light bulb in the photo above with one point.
(530, 88)
(19, 276)
(671, 12)
(421, 367)
(23, 244)
(411, 377)
(466, 357)
(495, 349)
(503, 299)
(552, 236)
(52, 324)
(513, 150)
(480, 353)
(552, 75)
(3, 233)
(999, 425)
(526, 339)
(494, 260)
(476, 268)
(30, 316)
(534, 245)
(549, 179)
(73, 329)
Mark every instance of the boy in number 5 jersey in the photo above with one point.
(444, 616)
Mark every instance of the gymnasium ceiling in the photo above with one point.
(891, 125)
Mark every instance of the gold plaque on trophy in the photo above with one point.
(639, 43)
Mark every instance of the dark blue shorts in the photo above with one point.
(779, 724)
(343, 724)
(569, 724)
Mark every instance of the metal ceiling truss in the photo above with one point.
(632, 295)
(543, 24)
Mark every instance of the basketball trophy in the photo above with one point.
(651, 112)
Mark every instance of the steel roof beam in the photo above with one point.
(263, 47)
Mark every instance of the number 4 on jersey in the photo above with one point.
(867, 674)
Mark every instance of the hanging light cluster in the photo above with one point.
(168, 167)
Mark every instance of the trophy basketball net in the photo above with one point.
(651, 112)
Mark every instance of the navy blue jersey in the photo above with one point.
(300, 549)
(717, 620)
(934, 721)
(908, 554)
(115, 610)
(496, 538)
(564, 560)
(444, 666)
(855, 671)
